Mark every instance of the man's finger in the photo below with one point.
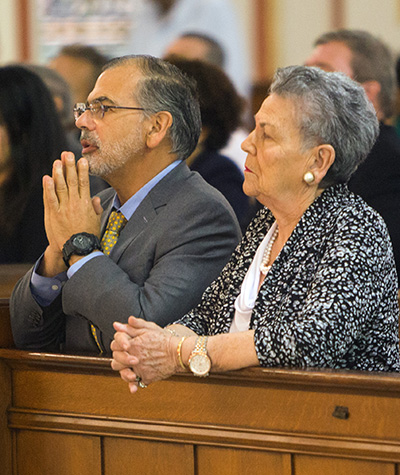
(96, 202)
(71, 174)
(83, 179)
(50, 198)
(60, 185)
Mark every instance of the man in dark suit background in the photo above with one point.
(141, 121)
(369, 61)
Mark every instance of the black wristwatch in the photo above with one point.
(80, 244)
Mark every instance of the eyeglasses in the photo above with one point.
(97, 109)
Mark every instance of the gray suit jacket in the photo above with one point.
(174, 245)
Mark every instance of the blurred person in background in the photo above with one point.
(61, 93)
(31, 138)
(396, 118)
(221, 108)
(369, 61)
(80, 65)
(192, 45)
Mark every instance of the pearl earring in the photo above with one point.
(309, 177)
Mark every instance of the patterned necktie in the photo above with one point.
(116, 223)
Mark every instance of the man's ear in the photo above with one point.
(372, 89)
(323, 160)
(158, 128)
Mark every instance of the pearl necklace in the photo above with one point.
(264, 267)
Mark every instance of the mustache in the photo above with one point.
(90, 137)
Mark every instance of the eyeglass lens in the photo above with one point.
(95, 108)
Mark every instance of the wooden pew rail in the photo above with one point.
(73, 415)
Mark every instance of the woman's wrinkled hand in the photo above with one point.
(143, 352)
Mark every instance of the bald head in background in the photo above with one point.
(80, 65)
(197, 46)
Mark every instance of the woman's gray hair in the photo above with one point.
(331, 109)
(165, 88)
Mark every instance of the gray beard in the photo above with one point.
(110, 157)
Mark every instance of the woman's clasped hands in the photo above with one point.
(143, 353)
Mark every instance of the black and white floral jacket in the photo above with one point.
(330, 298)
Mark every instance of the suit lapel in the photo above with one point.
(147, 211)
(139, 221)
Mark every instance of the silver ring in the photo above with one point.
(140, 382)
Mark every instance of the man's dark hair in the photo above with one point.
(372, 61)
(165, 88)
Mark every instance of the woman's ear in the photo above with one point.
(159, 124)
(323, 160)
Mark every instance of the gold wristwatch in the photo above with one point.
(199, 361)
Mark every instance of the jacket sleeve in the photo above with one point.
(34, 327)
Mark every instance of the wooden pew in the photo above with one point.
(9, 275)
(63, 414)
(6, 340)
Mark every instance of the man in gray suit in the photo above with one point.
(172, 234)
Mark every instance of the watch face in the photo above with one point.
(200, 365)
(82, 242)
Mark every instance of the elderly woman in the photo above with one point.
(313, 282)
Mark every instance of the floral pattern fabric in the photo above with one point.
(330, 298)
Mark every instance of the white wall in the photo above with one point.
(380, 17)
(8, 28)
(299, 23)
(245, 14)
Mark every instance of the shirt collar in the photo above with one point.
(128, 208)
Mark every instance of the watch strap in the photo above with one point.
(200, 348)
(69, 249)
